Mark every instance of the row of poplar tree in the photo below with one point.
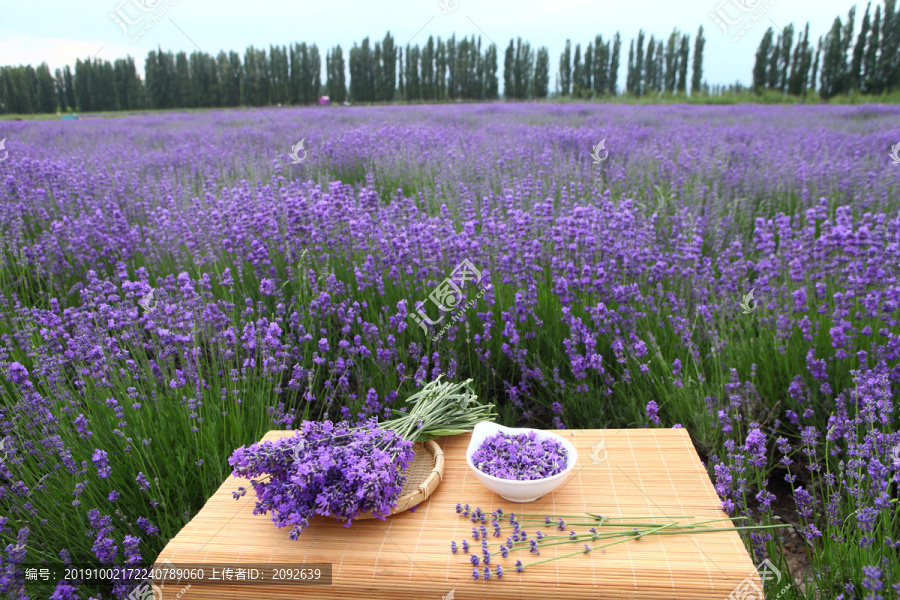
(870, 65)
(379, 72)
(456, 69)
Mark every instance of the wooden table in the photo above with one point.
(642, 472)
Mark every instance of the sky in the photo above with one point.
(59, 31)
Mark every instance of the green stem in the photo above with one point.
(652, 532)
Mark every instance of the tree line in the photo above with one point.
(439, 70)
(871, 65)
(464, 68)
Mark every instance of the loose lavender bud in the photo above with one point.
(520, 457)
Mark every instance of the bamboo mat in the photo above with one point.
(646, 472)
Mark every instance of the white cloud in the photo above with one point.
(58, 52)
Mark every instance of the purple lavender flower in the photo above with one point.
(101, 461)
(520, 456)
(756, 447)
(652, 410)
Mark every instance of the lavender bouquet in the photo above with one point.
(335, 469)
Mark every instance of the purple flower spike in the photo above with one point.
(499, 571)
(519, 566)
(473, 558)
(465, 546)
(487, 573)
(453, 547)
(475, 574)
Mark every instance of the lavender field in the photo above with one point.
(611, 291)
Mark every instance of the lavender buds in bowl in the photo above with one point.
(520, 465)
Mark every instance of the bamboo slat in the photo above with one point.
(643, 472)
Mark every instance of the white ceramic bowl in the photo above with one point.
(510, 489)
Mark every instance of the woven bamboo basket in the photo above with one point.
(423, 476)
